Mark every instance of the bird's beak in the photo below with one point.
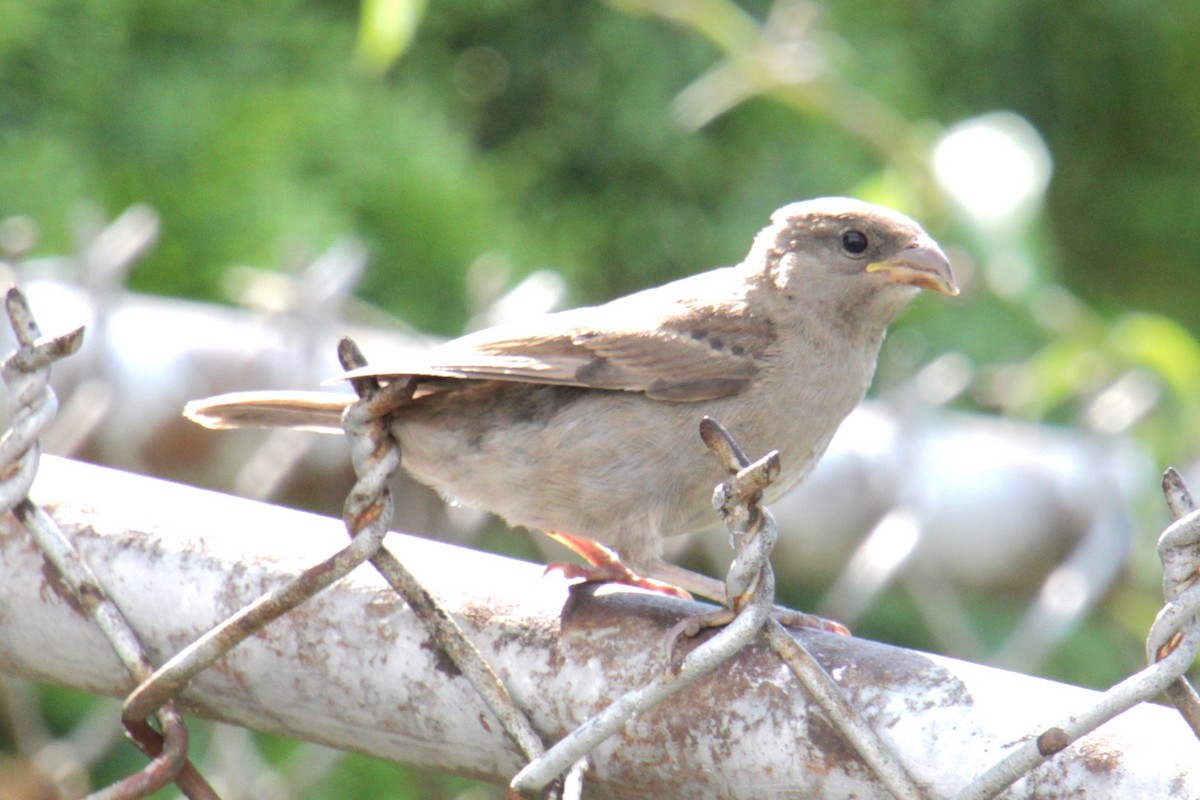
(921, 264)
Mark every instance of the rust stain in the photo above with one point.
(832, 748)
(367, 516)
(1169, 646)
(55, 583)
(441, 661)
(1052, 741)
(1100, 759)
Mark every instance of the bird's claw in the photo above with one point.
(798, 619)
(690, 626)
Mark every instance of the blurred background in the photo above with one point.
(389, 166)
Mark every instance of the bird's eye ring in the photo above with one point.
(854, 242)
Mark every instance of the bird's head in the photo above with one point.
(851, 257)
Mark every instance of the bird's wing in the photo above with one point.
(662, 342)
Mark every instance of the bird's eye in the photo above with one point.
(854, 242)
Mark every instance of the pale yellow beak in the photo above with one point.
(921, 264)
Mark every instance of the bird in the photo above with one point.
(583, 423)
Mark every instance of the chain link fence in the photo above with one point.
(174, 599)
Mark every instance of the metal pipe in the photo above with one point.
(354, 669)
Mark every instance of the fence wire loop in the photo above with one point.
(746, 525)
(367, 515)
(174, 676)
(1179, 551)
(33, 405)
(375, 452)
(753, 532)
(738, 501)
(751, 590)
(1171, 647)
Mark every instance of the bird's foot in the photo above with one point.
(615, 573)
(691, 626)
(605, 566)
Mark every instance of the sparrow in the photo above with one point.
(583, 423)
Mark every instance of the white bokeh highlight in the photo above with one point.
(996, 167)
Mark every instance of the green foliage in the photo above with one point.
(249, 127)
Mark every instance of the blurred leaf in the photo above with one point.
(1164, 346)
(386, 30)
(1061, 371)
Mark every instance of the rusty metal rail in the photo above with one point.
(353, 667)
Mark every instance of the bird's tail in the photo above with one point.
(310, 411)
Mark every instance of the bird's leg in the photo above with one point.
(689, 580)
(605, 566)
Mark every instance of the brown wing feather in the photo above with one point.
(661, 342)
